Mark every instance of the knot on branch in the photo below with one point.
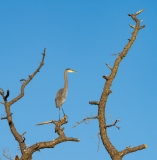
(106, 77)
(16, 158)
(22, 80)
(141, 27)
(22, 135)
(110, 91)
(30, 76)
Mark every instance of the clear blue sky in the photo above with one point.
(80, 35)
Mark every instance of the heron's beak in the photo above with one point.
(74, 71)
(71, 70)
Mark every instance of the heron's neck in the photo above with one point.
(65, 80)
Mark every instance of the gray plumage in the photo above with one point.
(60, 98)
(61, 94)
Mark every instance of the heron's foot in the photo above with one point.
(63, 120)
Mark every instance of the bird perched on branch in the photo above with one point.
(61, 94)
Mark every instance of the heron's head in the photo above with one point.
(70, 70)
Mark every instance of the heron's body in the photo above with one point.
(61, 94)
(60, 98)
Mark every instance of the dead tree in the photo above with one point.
(27, 152)
(113, 152)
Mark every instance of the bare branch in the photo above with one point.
(134, 149)
(51, 144)
(85, 120)
(47, 122)
(28, 80)
(94, 102)
(109, 79)
(13, 130)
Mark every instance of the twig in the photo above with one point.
(108, 66)
(94, 102)
(131, 26)
(23, 134)
(22, 80)
(7, 95)
(105, 77)
(6, 117)
(47, 122)
(1, 102)
(7, 155)
(98, 142)
(114, 124)
(85, 120)
(98, 135)
(2, 92)
(139, 12)
(115, 54)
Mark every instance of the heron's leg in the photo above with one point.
(59, 113)
(63, 111)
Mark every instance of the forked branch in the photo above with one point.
(50, 144)
(114, 124)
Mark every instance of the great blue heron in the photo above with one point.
(61, 94)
